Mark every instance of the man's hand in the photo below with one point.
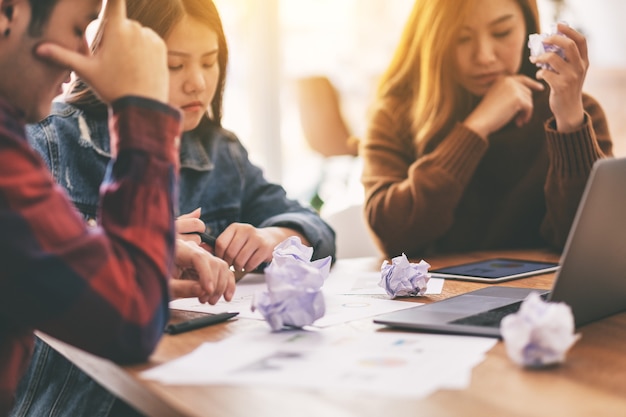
(130, 60)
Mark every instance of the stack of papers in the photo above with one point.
(384, 363)
(321, 357)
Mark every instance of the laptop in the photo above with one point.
(591, 278)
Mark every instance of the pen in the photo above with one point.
(205, 238)
(193, 324)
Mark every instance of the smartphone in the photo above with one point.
(494, 270)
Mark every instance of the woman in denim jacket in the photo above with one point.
(248, 214)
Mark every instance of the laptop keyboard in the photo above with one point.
(491, 318)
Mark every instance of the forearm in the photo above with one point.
(309, 227)
(571, 157)
(104, 290)
(266, 204)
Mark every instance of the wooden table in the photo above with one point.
(592, 382)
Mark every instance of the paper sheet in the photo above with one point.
(385, 363)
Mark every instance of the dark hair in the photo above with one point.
(531, 16)
(161, 16)
(40, 13)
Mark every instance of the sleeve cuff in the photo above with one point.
(460, 152)
(572, 153)
(144, 124)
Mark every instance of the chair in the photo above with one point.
(353, 239)
(327, 133)
(322, 122)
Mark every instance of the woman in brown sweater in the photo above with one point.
(470, 145)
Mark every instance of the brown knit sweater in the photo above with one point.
(458, 192)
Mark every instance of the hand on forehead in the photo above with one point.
(114, 9)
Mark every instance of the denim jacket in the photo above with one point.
(215, 175)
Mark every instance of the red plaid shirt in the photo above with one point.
(102, 289)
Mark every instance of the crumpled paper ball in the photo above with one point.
(293, 297)
(538, 47)
(540, 333)
(402, 278)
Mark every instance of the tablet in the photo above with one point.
(494, 270)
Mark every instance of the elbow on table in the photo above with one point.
(136, 350)
(136, 343)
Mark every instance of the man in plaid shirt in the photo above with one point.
(103, 289)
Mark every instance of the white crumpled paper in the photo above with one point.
(538, 47)
(540, 333)
(293, 297)
(402, 278)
